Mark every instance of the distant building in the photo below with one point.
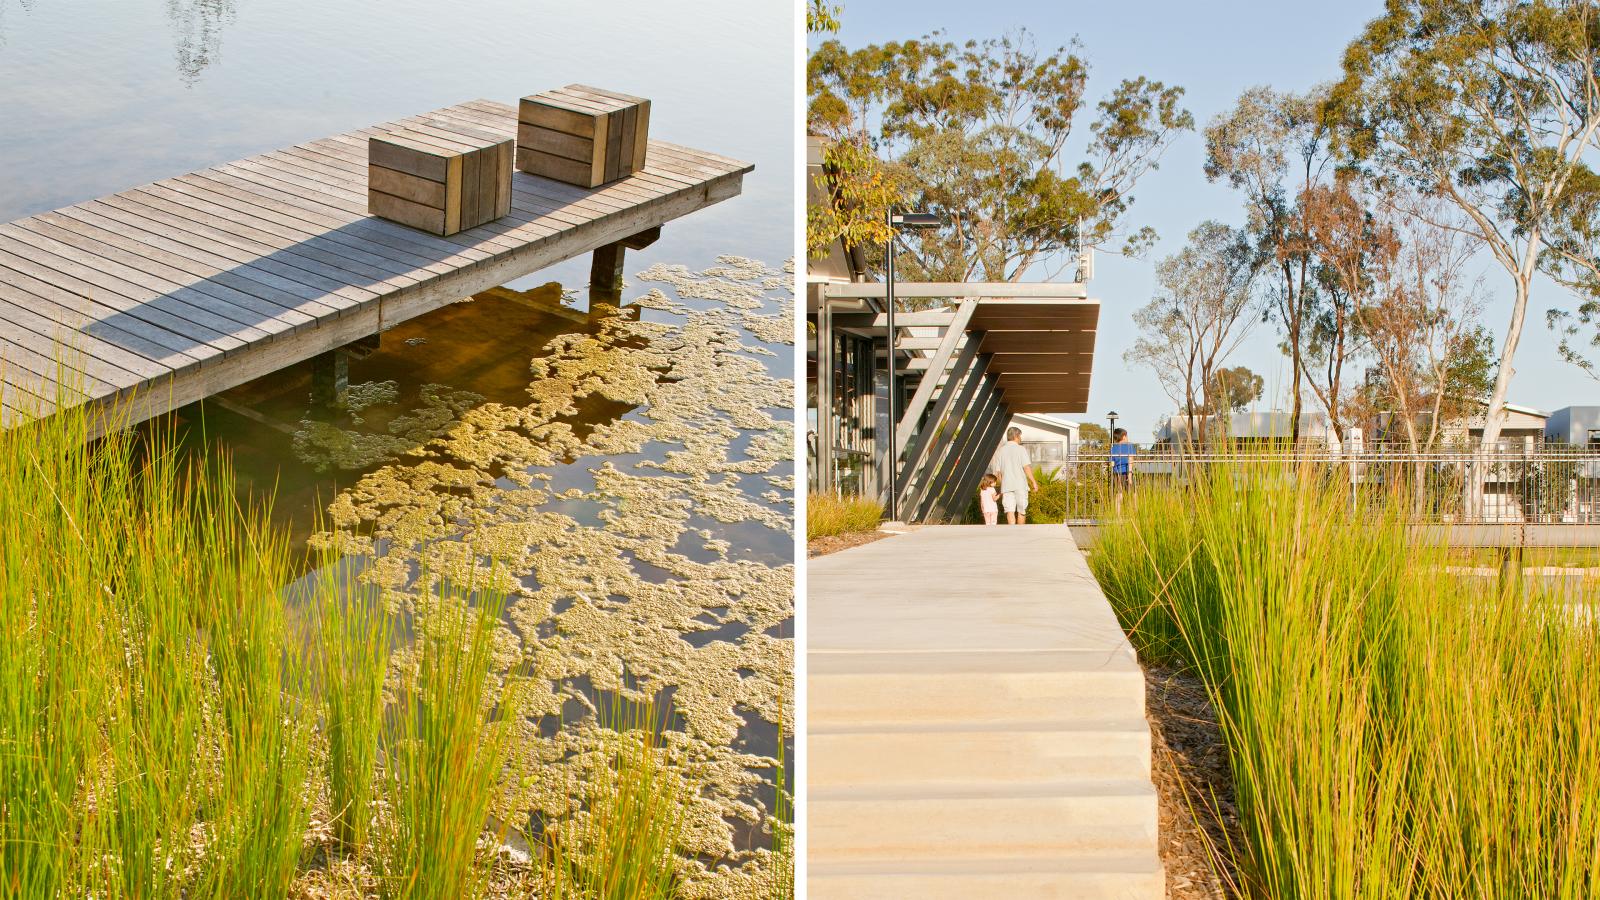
(1577, 426)
(1271, 426)
(1523, 429)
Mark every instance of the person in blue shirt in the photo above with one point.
(1122, 451)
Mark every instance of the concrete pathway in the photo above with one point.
(976, 723)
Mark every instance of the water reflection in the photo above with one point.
(197, 33)
(5, 5)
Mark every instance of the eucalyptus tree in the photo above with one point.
(1274, 147)
(981, 132)
(1433, 360)
(1494, 106)
(1234, 389)
(1353, 249)
(1203, 312)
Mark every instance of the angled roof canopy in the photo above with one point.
(1038, 338)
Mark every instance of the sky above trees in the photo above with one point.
(1214, 55)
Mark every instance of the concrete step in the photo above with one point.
(968, 753)
(853, 689)
(1038, 819)
(1068, 878)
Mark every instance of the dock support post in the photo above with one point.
(605, 271)
(605, 275)
(330, 374)
(330, 377)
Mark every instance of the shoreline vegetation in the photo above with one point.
(835, 523)
(422, 715)
(1390, 729)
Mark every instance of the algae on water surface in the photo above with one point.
(619, 543)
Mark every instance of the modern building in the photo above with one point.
(967, 358)
(1268, 426)
(1523, 429)
(1576, 426)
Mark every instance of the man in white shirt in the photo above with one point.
(1016, 476)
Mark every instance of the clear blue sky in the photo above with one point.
(1215, 51)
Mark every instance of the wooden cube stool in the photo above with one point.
(440, 177)
(582, 135)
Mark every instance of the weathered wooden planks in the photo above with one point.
(582, 135)
(173, 291)
(439, 175)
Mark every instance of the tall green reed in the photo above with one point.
(150, 744)
(1393, 730)
(623, 843)
(446, 742)
(355, 635)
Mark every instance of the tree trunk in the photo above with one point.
(1494, 416)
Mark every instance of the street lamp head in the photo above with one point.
(916, 220)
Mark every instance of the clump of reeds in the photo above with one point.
(150, 739)
(1393, 730)
(445, 744)
(782, 826)
(623, 843)
(355, 637)
(830, 514)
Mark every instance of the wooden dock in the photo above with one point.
(167, 293)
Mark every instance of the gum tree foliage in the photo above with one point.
(822, 16)
(1094, 435)
(1204, 310)
(1233, 389)
(861, 188)
(981, 133)
(1433, 361)
(1352, 250)
(1274, 148)
(1494, 106)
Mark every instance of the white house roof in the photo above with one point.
(1049, 423)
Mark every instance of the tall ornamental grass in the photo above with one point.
(355, 636)
(164, 709)
(151, 742)
(445, 743)
(1393, 730)
(829, 514)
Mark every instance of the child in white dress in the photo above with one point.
(989, 499)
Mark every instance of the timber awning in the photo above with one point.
(1038, 338)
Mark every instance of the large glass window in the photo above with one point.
(1046, 453)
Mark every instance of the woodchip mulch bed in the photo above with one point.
(1193, 784)
(833, 543)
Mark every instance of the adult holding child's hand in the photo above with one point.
(1015, 469)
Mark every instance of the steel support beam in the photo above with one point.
(959, 453)
(964, 379)
(936, 366)
(825, 411)
(948, 449)
(973, 462)
(1068, 290)
(967, 484)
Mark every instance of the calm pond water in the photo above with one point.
(642, 503)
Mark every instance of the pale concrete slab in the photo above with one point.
(960, 588)
(976, 723)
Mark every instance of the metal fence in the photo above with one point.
(1541, 485)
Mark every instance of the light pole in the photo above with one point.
(1111, 417)
(897, 221)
